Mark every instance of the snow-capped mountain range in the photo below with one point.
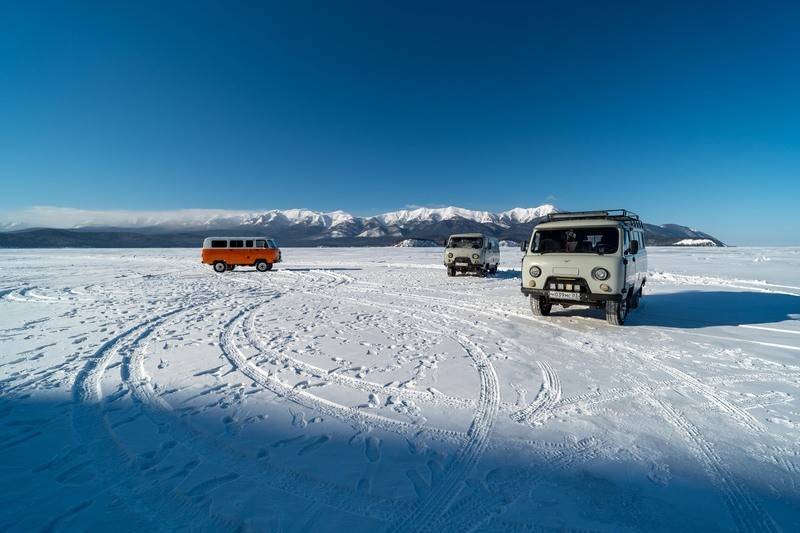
(302, 227)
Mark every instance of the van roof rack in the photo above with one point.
(609, 214)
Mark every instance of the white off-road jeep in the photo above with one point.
(471, 252)
(588, 258)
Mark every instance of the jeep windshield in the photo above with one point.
(577, 240)
(465, 242)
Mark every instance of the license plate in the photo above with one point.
(560, 295)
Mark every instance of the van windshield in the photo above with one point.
(577, 240)
(465, 242)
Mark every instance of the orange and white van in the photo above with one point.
(226, 253)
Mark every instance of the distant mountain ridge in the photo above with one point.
(301, 227)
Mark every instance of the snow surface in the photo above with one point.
(364, 389)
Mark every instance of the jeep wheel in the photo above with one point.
(262, 266)
(220, 266)
(540, 306)
(617, 312)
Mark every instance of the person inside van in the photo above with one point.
(608, 242)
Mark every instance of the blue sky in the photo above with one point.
(685, 112)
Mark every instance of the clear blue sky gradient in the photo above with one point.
(686, 112)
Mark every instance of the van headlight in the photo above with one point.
(475, 256)
(450, 255)
(535, 271)
(600, 273)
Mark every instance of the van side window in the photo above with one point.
(248, 244)
(219, 244)
(237, 244)
(261, 243)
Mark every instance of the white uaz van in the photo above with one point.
(471, 252)
(589, 258)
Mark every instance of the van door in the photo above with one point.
(631, 268)
(641, 258)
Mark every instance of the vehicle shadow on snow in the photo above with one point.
(501, 274)
(275, 469)
(508, 274)
(312, 269)
(700, 309)
(703, 309)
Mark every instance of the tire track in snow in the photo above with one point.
(549, 392)
(582, 340)
(448, 486)
(350, 382)
(151, 501)
(747, 514)
(262, 471)
(544, 402)
(350, 415)
(482, 509)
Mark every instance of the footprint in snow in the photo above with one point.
(314, 445)
(372, 449)
(364, 485)
(299, 419)
(286, 442)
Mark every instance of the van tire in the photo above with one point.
(636, 297)
(540, 306)
(617, 312)
(263, 266)
(451, 271)
(220, 266)
(231, 267)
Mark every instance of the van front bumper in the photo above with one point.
(583, 298)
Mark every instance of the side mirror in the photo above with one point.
(524, 246)
(634, 247)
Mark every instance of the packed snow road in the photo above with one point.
(365, 389)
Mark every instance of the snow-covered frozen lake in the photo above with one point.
(363, 389)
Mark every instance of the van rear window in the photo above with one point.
(219, 244)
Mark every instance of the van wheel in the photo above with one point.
(636, 297)
(540, 306)
(493, 270)
(262, 266)
(451, 271)
(231, 267)
(617, 312)
(482, 272)
(220, 266)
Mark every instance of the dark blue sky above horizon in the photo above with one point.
(686, 112)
